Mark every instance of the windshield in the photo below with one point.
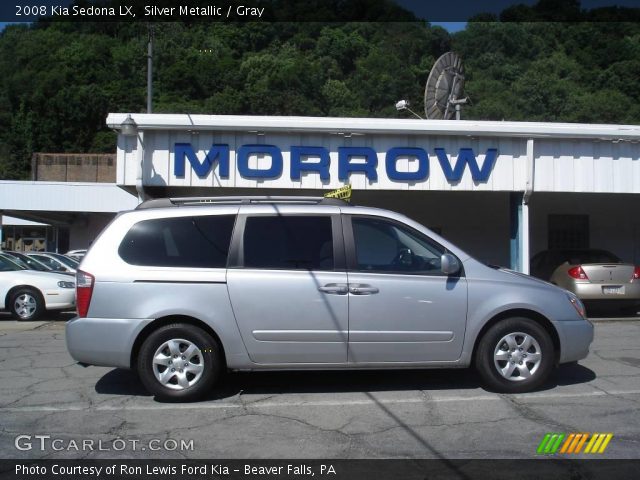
(52, 263)
(15, 260)
(66, 260)
(8, 265)
(30, 263)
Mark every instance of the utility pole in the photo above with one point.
(150, 70)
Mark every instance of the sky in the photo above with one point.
(451, 27)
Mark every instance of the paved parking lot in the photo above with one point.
(400, 414)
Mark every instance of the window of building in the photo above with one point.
(198, 242)
(568, 231)
(288, 242)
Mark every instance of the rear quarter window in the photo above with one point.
(195, 242)
(289, 242)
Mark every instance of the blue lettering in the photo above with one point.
(423, 164)
(345, 167)
(218, 153)
(298, 166)
(467, 157)
(300, 162)
(274, 171)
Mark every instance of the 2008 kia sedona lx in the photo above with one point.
(181, 289)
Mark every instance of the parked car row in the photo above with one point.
(43, 261)
(29, 288)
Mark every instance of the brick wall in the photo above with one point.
(74, 167)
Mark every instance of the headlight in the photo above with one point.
(577, 304)
(63, 284)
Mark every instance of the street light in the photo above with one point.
(129, 127)
(404, 105)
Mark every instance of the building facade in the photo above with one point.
(502, 191)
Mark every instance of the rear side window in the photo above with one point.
(198, 242)
(291, 243)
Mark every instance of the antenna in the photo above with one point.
(443, 93)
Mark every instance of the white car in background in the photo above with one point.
(27, 294)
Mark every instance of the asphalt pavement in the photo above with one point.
(51, 407)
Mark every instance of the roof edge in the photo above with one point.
(364, 126)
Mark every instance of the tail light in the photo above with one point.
(577, 273)
(636, 274)
(84, 290)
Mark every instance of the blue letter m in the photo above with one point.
(467, 157)
(218, 153)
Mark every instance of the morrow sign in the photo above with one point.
(317, 160)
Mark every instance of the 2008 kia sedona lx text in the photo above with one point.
(181, 289)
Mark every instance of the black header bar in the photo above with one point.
(317, 10)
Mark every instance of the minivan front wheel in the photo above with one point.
(515, 355)
(179, 362)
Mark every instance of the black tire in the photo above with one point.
(26, 304)
(519, 380)
(183, 335)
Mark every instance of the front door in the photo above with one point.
(402, 308)
(289, 289)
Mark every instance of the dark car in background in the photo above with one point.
(598, 277)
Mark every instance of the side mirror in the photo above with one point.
(449, 264)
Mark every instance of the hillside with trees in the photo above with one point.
(58, 80)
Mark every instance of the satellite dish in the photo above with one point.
(443, 94)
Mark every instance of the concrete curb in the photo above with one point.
(614, 319)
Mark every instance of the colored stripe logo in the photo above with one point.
(593, 443)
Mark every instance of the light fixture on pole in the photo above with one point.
(404, 105)
(129, 127)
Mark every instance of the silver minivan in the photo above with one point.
(183, 289)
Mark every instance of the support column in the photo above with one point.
(519, 232)
(515, 214)
(525, 253)
(140, 154)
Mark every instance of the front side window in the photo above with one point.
(288, 242)
(386, 247)
(196, 242)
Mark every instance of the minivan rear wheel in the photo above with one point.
(179, 362)
(515, 355)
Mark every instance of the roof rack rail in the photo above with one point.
(238, 200)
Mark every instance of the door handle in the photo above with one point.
(335, 288)
(362, 289)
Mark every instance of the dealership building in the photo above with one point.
(502, 191)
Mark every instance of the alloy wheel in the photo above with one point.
(25, 305)
(178, 364)
(517, 356)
